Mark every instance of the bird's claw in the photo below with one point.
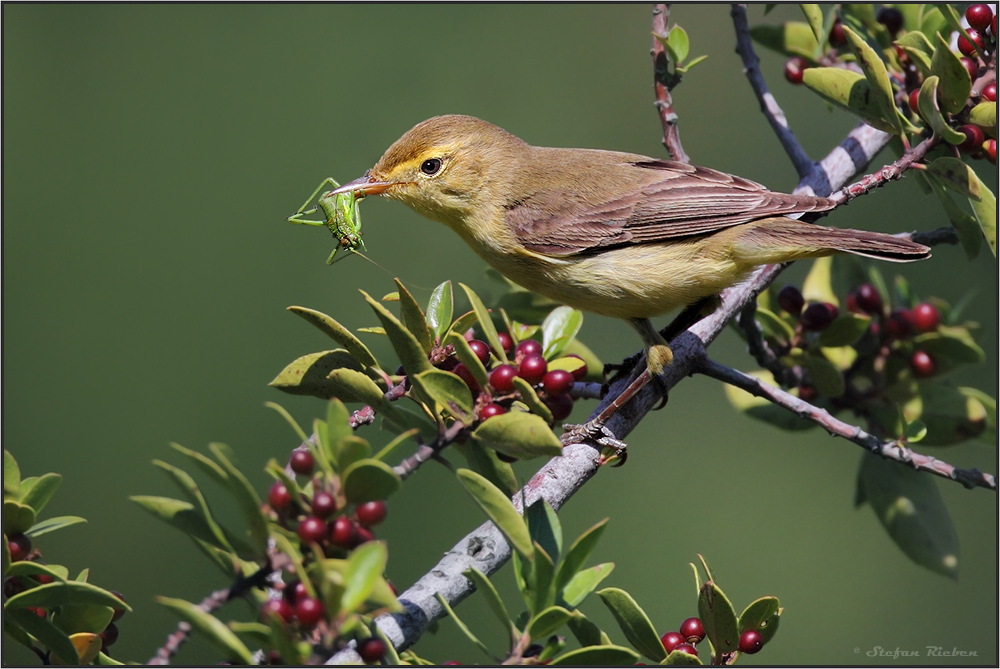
(599, 435)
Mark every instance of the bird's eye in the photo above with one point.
(431, 166)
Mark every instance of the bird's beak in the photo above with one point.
(366, 185)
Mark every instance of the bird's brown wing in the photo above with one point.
(665, 200)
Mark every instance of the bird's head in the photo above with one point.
(446, 168)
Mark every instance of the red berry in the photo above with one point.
(294, 590)
(965, 46)
(371, 650)
(891, 18)
(991, 150)
(43, 579)
(693, 630)
(973, 138)
(989, 91)
(922, 364)
(362, 535)
(807, 393)
(687, 648)
(279, 607)
(527, 347)
(580, 373)
(790, 299)
(371, 513)
(312, 529)
(900, 324)
(794, 67)
(19, 545)
(502, 378)
(481, 349)
(913, 101)
(309, 611)
(278, 496)
(462, 372)
(979, 16)
(557, 382)
(118, 612)
(506, 342)
(324, 504)
(971, 66)
(818, 316)
(837, 36)
(868, 298)
(671, 640)
(561, 406)
(342, 534)
(926, 317)
(38, 611)
(532, 368)
(491, 410)
(751, 642)
(109, 635)
(302, 461)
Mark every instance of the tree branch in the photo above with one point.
(890, 450)
(663, 82)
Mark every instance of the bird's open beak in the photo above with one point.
(366, 185)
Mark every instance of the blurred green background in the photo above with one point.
(151, 155)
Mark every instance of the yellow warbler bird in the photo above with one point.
(617, 234)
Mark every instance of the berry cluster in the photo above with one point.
(527, 362)
(691, 633)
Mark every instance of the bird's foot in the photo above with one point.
(597, 433)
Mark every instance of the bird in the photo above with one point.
(617, 234)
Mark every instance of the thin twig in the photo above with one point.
(888, 173)
(762, 352)
(890, 450)
(663, 83)
(768, 105)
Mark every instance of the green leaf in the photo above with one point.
(762, 615)
(468, 358)
(680, 658)
(11, 475)
(954, 344)
(558, 329)
(970, 235)
(578, 554)
(584, 582)
(447, 390)
(678, 44)
(949, 415)
(519, 435)
(365, 565)
(814, 15)
(846, 329)
(370, 480)
(989, 405)
(411, 353)
(439, 309)
(932, 21)
(955, 83)
(829, 380)
(500, 510)
(413, 318)
(217, 633)
(63, 593)
(53, 524)
(486, 587)
(532, 400)
(634, 623)
(818, 284)
(28, 568)
(774, 325)
(851, 91)
(353, 449)
(547, 622)
(485, 322)
(193, 493)
(398, 441)
(544, 527)
(986, 213)
(927, 102)
(909, 506)
(247, 502)
(17, 517)
(206, 464)
(984, 115)
(541, 579)
(957, 175)
(719, 619)
(178, 514)
(338, 333)
(484, 461)
(42, 629)
(585, 631)
(309, 374)
(337, 429)
(597, 656)
(351, 386)
(464, 628)
(72, 618)
(41, 491)
(915, 431)
(793, 38)
(595, 368)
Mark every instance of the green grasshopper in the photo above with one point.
(343, 218)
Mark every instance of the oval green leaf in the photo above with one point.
(215, 631)
(954, 81)
(719, 618)
(848, 90)
(500, 510)
(518, 435)
(411, 353)
(440, 308)
(597, 656)
(365, 566)
(370, 480)
(308, 375)
(532, 400)
(447, 390)
(585, 582)
(846, 329)
(634, 623)
(413, 317)
(547, 622)
(338, 333)
(558, 329)
(762, 615)
(485, 322)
